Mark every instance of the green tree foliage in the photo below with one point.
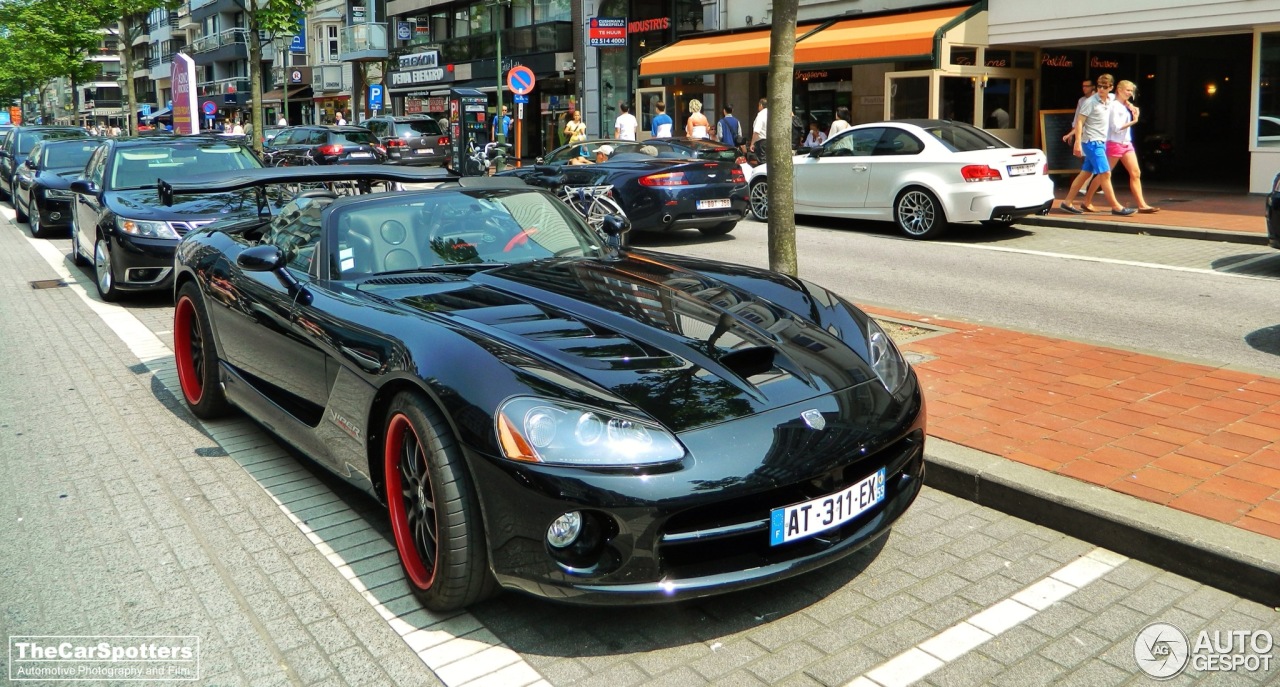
(46, 39)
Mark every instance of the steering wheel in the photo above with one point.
(521, 239)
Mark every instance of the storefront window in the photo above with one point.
(997, 58)
(909, 97)
(963, 56)
(958, 98)
(1269, 92)
(615, 68)
(998, 104)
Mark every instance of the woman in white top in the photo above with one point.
(697, 125)
(576, 129)
(841, 121)
(1121, 118)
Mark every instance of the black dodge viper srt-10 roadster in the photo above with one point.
(539, 409)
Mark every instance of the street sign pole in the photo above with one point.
(287, 70)
(501, 136)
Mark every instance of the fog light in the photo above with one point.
(55, 216)
(565, 530)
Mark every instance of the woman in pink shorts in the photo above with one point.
(1120, 143)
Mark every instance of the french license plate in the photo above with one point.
(362, 155)
(717, 204)
(825, 512)
(1021, 170)
(425, 151)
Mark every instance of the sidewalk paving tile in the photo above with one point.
(1196, 438)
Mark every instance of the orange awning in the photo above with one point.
(892, 37)
(733, 52)
(908, 35)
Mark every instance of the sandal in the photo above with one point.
(1148, 211)
(1089, 208)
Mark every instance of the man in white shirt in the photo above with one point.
(282, 121)
(624, 127)
(760, 129)
(342, 121)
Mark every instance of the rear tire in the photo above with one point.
(435, 513)
(919, 214)
(759, 195)
(719, 229)
(196, 355)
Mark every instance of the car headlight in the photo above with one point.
(536, 430)
(887, 362)
(58, 194)
(149, 230)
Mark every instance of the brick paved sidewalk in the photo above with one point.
(1196, 438)
(1241, 213)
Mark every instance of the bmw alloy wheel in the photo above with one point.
(918, 214)
(760, 200)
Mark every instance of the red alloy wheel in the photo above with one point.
(412, 502)
(188, 350)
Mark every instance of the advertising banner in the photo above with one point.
(607, 32)
(182, 74)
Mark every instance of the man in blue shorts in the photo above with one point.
(1090, 132)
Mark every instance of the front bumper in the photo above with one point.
(703, 528)
(141, 264)
(55, 213)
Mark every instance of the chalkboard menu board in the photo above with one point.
(1054, 124)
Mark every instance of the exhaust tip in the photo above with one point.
(667, 219)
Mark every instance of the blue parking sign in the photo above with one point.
(375, 96)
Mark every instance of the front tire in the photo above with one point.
(34, 223)
(435, 513)
(760, 200)
(919, 214)
(103, 276)
(196, 355)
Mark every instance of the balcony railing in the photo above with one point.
(217, 40)
(237, 84)
(363, 41)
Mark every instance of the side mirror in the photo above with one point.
(83, 185)
(261, 259)
(815, 151)
(29, 163)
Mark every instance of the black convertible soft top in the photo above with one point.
(222, 182)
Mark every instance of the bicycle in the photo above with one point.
(479, 161)
(593, 203)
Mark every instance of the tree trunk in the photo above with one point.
(782, 218)
(126, 60)
(255, 78)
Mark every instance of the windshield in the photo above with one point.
(69, 154)
(422, 127)
(141, 167)
(411, 232)
(28, 139)
(353, 137)
(959, 138)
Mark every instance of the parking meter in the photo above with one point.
(467, 124)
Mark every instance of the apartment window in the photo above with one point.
(480, 19)
(521, 12)
(331, 42)
(461, 22)
(439, 26)
(552, 10)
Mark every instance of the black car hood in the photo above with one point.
(686, 348)
(145, 204)
(59, 178)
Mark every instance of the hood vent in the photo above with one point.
(409, 279)
(749, 362)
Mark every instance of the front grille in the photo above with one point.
(734, 534)
(182, 228)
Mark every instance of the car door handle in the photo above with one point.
(858, 168)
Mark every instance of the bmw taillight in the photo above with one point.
(330, 149)
(664, 179)
(973, 173)
(736, 176)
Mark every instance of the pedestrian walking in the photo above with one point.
(729, 129)
(661, 125)
(841, 123)
(340, 120)
(624, 127)
(760, 129)
(1124, 114)
(1086, 87)
(1091, 145)
(697, 125)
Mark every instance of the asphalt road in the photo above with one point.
(1200, 301)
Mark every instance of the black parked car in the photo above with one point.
(541, 410)
(17, 146)
(325, 145)
(119, 224)
(411, 140)
(659, 186)
(42, 190)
